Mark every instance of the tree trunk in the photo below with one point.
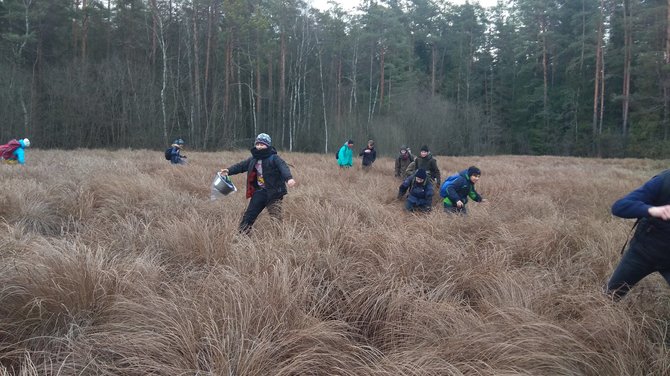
(227, 78)
(158, 21)
(628, 41)
(339, 88)
(598, 73)
(195, 126)
(433, 62)
(323, 95)
(666, 83)
(282, 84)
(211, 11)
(545, 68)
(75, 29)
(84, 29)
(353, 97)
(382, 53)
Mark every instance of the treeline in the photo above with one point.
(570, 77)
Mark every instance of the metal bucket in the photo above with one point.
(223, 184)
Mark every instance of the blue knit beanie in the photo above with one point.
(264, 139)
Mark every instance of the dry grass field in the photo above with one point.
(117, 263)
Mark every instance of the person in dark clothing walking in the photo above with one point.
(459, 189)
(425, 161)
(369, 155)
(267, 178)
(420, 189)
(403, 160)
(648, 249)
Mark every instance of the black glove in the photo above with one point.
(183, 156)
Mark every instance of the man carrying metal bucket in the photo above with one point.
(267, 177)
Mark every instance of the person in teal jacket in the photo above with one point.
(345, 157)
(14, 151)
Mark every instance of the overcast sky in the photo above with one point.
(350, 4)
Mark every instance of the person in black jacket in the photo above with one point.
(369, 155)
(267, 177)
(648, 249)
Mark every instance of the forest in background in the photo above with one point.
(578, 77)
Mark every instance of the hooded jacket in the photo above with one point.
(175, 154)
(345, 157)
(419, 194)
(460, 189)
(20, 154)
(275, 172)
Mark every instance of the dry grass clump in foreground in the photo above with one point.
(117, 263)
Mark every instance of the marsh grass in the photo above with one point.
(117, 263)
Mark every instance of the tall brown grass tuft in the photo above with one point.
(117, 263)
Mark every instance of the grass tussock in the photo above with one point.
(117, 263)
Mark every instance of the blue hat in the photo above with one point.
(420, 173)
(264, 139)
(178, 141)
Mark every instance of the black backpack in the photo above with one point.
(337, 153)
(168, 153)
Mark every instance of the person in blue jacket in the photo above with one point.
(345, 157)
(462, 188)
(649, 249)
(175, 152)
(420, 189)
(14, 151)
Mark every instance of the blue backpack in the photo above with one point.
(445, 185)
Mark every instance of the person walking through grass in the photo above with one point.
(425, 161)
(345, 156)
(13, 152)
(267, 178)
(369, 155)
(458, 188)
(648, 249)
(420, 190)
(402, 161)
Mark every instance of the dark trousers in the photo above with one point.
(410, 206)
(259, 201)
(644, 256)
(455, 210)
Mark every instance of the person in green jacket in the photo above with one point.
(345, 157)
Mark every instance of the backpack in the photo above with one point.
(7, 150)
(337, 153)
(445, 185)
(168, 153)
